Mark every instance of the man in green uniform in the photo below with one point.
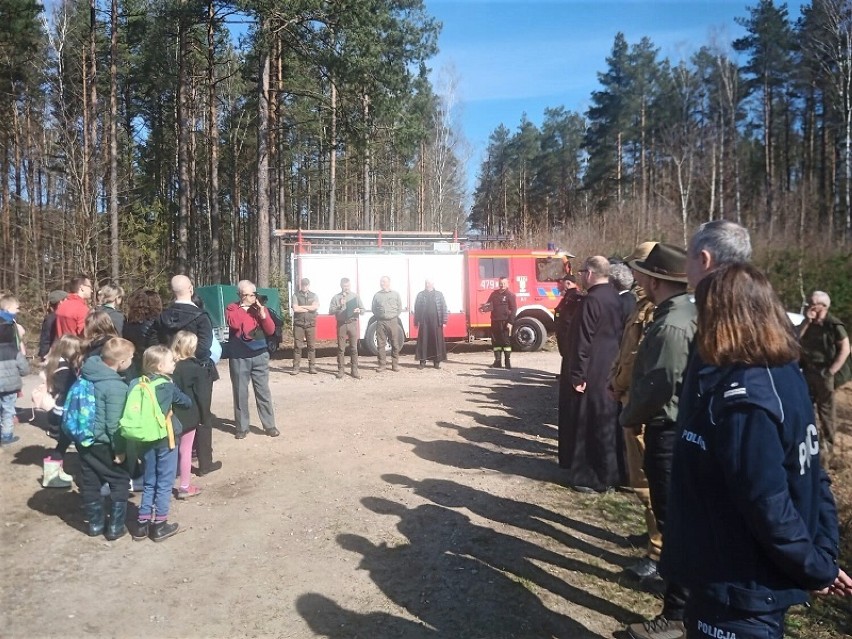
(305, 305)
(346, 306)
(825, 363)
(655, 386)
(386, 307)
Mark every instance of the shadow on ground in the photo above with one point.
(459, 577)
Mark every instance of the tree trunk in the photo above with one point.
(91, 195)
(721, 169)
(113, 142)
(5, 171)
(213, 144)
(263, 169)
(368, 213)
(768, 179)
(183, 149)
(332, 159)
(713, 170)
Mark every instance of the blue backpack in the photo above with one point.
(79, 416)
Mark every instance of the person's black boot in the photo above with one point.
(212, 467)
(94, 513)
(143, 528)
(162, 530)
(116, 527)
(498, 360)
(508, 359)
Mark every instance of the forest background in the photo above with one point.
(142, 137)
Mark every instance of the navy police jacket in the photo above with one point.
(752, 523)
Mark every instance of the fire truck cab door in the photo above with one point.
(487, 274)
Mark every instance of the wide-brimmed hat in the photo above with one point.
(54, 297)
(640, 252)
(665, 262)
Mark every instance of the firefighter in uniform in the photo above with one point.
(502, 306)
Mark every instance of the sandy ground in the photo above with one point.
(423, 503)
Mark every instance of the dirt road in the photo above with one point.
(424, 503)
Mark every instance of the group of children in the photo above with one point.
(86, 389)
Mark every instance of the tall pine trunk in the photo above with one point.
(113, 142)
(183, 148)
(332, 158)
(263, 168)
(213, 146)
(368, 213)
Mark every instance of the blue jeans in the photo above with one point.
(7, 413)
(160, 464)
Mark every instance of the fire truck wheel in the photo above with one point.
(371, 344)
(529, 334)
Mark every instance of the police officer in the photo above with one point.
(503, 307)
(305, 305)
(753, 525)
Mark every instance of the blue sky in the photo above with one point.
(512, 57)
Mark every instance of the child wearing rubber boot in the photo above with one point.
(101, 461)
(61, 369)
(160, 458)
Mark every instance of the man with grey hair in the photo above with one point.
(430, 317)
(249, 324)
(715, 244)
(588, 443)
(825, 363)
(622, 280)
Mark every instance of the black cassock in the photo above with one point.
(588, 440)
(430, 315)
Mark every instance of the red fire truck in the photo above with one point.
(463, 272)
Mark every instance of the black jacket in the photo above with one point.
(47, 335)
(189, 376)
(186, 317)
(142, 335)
(502, 305)
(752, 523)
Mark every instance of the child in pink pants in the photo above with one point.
(187, 377)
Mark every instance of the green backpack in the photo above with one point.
(143, 419)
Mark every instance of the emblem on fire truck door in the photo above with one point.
(522, 286)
